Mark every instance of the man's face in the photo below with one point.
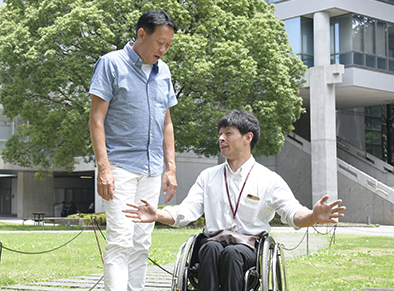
(154, 46)
(232, 143)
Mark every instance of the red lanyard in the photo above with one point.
(234, 212)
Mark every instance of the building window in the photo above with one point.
(373, 131)
(391, 40)
(362, 41)
(300, 31)
(7, 128)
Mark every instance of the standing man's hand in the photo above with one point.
(169, 183)
(105, 184)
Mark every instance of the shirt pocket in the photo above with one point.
(163, 91)
(249, 207)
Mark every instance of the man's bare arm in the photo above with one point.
(169, 178)
(105, 180)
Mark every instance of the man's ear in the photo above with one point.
(141, 34)
(249, 137)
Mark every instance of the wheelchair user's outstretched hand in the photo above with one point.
(142, 213)
(327, 212)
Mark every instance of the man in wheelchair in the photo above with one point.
(238, 198)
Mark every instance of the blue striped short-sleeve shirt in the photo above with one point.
(137, 108)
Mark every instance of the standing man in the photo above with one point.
(239, 198)
(132, 133)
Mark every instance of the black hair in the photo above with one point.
(244, 121)
(150, 19)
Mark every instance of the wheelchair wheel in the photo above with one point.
(180, 273)
(271, 267)
(282, 266)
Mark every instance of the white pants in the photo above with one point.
(127, 249)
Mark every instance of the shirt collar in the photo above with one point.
(136, 59)
(243, 170)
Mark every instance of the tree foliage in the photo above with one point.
(227, 54)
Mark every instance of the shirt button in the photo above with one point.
(152, 117)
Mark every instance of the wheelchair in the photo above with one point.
(268, 274)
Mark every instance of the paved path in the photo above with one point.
(157, 280)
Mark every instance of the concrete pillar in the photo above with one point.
(321, 80)
(34, 195)
(321, 38)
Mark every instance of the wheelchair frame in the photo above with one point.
(269, 273)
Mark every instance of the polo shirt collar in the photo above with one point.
(135, 58)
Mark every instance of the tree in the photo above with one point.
(227, 54)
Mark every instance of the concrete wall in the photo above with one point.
(364, 197)
(188, 167)
(33, 195)
(293, 164)
(366, 162)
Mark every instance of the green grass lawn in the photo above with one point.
(353, 262)
(80, 257)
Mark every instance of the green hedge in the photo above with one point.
(276, 221)
(89, 216)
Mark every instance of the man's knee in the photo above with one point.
(231, 255)
(236, 255)
(210, 249)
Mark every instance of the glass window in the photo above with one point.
(308, 60)
(381, 38)
(332, 37)
(6, 128)
(293, 29)
(369, 35)
(307, 35)
(391, 66)
(358, 59)
(382, 64)
(391, 39)
(343, 34)
(346, 59)
(373, 130)
(374, 111)
(362, 41)
(370, 61)
(358, 33)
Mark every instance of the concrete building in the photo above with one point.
(337, 146)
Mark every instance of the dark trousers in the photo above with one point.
(222, 266)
